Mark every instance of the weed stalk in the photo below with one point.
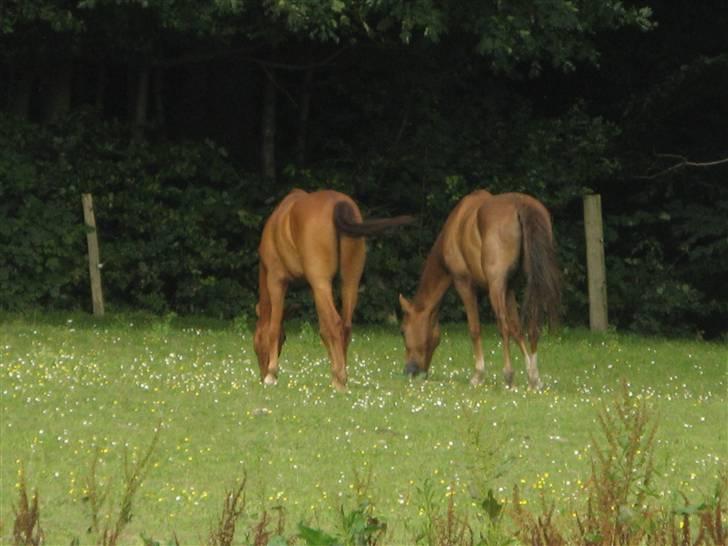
(26, 528)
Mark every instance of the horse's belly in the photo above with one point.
(471, 253)
(293, 263)
(287, 251)
(475, 269)
(465, 261)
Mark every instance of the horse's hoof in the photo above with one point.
(536, 386)
(477, 379)
(339, 386)
(270, 380)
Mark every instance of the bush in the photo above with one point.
(177, 227)
(179, 223)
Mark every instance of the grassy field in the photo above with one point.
(72, 387)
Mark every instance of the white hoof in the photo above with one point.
(270, 380)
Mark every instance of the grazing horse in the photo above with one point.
(312, 236)
(485, 241)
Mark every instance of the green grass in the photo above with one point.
(71, 385)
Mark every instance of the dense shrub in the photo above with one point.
(177, 231)
(41, 236)
(179, 223)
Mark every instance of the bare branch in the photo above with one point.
(681, 163)
(270, 74)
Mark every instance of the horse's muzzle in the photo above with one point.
(412, 369)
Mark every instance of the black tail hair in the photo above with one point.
(543, 276)
(347, 223)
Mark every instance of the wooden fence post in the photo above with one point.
(94, 264)
(596, 270)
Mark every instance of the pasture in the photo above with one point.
(73, 387)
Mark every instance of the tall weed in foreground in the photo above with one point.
(444, 524)
(262, 535)
(361, 527)
(713, 514)
(358, 526)
(441, 526)
(621, 508)
(492, 530)
(26, 528)
(95, 496)
(486, 462)
(710, 515)
(619, 497)
(134, 474)
(536, 530)
(233, 506)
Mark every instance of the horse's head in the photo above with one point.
(421, 331)
(261, 341)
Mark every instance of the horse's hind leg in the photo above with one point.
(332, 334)
(497, 294)
(352, 256)
(466, 290)
(534, 381)
(533, 335)
(277, 291)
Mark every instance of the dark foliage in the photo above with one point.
(158, 108)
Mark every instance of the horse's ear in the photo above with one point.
(406, 305)
(257, 310)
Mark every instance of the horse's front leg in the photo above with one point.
(277, 290)
(466, 290)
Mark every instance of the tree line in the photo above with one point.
(188, 120)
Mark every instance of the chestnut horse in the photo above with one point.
(312, 236)
(485, 241)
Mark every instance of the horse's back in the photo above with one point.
(518, 202)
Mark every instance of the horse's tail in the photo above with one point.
(540, 265)
(348, 222)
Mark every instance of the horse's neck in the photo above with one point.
(435, 279)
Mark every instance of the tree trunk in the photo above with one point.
(142, 100)
(159, 96)
(131, 91)
(100, 98)
(268, 152)
(303, 115)
(21, 87)
(58, 97)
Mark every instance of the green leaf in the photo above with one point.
(492, 507)
(316, 537)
